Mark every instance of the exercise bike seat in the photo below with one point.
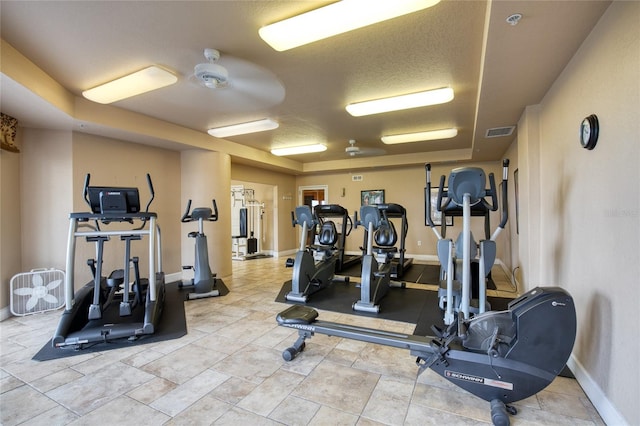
(297, 314)
(328, 235)
(386, 236)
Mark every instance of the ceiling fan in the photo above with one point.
(210, 74)
(352, 150)
(237, 81)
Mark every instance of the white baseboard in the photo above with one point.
(176, 276)
(5, 313)
(285, 253)
(605, 408)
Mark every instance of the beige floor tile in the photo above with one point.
(330, 416)
(23, 403)
(123, 410)
(295, 411)
(233, 390)
(204, 411)
(253, 363)
(238, 416)
(88, 393)
(152, 390)
(270, 393)
(58, 415)
(184, 395)
(390, 400)
(183, 364)
(343, 388)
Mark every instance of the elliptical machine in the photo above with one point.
(106, 309)
(462, 290)
(203, 282)
(375, 279)
(314, 265)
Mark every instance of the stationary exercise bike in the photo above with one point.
(501, 357)
(466, 263)
(375, 279)
(314, 265)
(203, 282)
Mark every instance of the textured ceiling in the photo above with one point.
(495, 69)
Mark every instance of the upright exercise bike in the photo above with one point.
(315, 264)
(375, 279)
(203, 282)
(465, 263)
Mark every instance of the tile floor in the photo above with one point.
(228, 369)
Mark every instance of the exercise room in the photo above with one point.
(319, 212)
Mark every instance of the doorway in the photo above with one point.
(312, 195)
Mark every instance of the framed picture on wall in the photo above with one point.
(371, 196)
(435, 214)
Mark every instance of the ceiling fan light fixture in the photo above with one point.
(334, 19)
(145, 80)
(244, 128)
(430, 135)
(295, 150)
(397, 103)
(212, 76)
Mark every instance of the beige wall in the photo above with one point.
(10, 222)
(585, 228)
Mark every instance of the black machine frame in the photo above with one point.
(89, 319)
(329, 211)
(399, 264)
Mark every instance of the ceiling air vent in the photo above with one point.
(497, 132)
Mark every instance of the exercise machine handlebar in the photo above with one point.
(151, 191)
(493, 206)
(504, 189)
(212, 216)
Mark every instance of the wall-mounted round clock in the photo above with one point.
(589, 130)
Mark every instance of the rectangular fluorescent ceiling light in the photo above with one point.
(243, 128)
(294, 150)
(146, 80)
(334, 19)
(396, 103)
(420, 136)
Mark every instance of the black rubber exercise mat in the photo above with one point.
(173, 325)
(400, 304)
(417, 273)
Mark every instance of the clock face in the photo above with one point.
(586, 132)
(589, 132)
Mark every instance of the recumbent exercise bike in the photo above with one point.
(375, 278)
(314, 265)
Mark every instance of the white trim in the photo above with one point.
(301, 189)
(285, 253)
(5, 313)
(610, 415)
(176, 276)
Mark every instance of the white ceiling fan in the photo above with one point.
(237, 82)
(352, 150)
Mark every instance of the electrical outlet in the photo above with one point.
(419, 243)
